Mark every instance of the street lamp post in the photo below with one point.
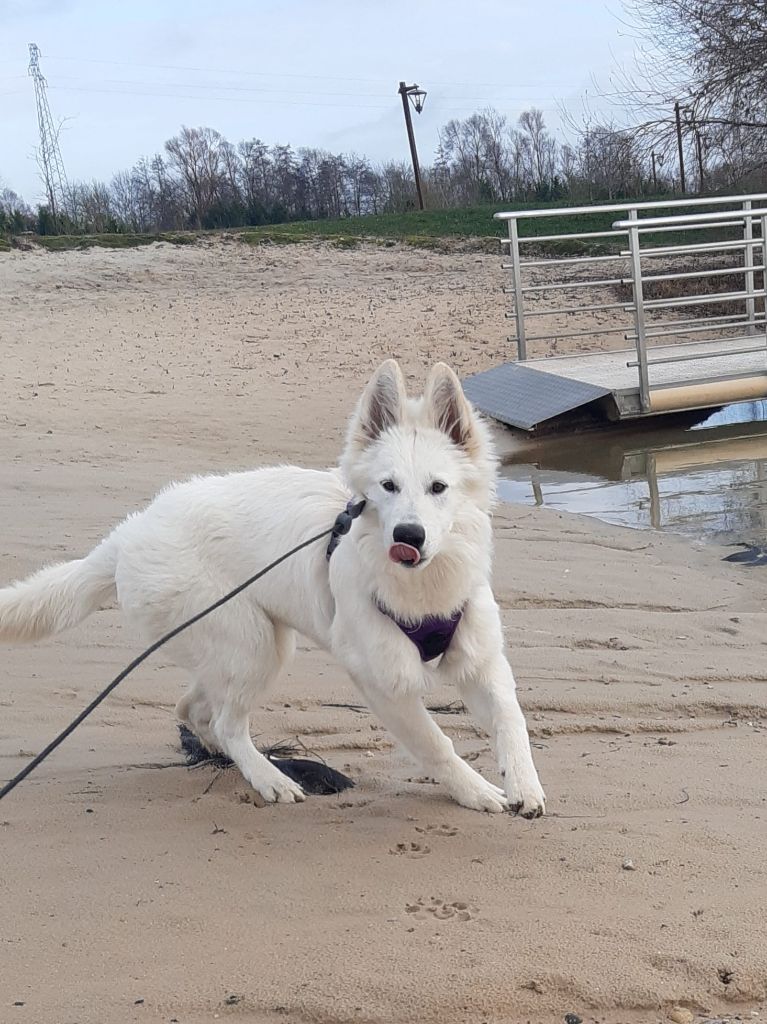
(417, 97)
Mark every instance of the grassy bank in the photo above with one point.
(59, 243)
(473, 227)
(425, 228)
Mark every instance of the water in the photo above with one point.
(707, 480)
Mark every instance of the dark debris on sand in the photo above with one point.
(313, 776)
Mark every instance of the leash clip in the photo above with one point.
(343, 524)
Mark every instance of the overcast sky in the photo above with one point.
(126, 75)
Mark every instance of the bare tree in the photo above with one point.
(359, 185)
(15, 215)
(125, 200)
(539, 148)
(198, 154)
(612, 163)
(166, 195)
(462, 146)
(715, 49)
(256, 178)
(705, 58)
(319, 183)
(92, 205)
(496, 155)
(284, 177)
(482, 159)
(397, 187)
(568, 165)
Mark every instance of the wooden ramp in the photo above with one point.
(697, 375)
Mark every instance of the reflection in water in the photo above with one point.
(706, 480)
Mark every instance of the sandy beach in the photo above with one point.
(134, 889)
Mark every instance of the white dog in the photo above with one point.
(404, 601)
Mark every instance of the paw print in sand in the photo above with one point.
(437, 830)
(412, 850)
(423, 909)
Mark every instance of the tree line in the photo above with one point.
(201, 180)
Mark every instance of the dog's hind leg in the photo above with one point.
(235, 661)
(231, 729)
(195, 711)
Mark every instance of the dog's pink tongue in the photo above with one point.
(404, 553)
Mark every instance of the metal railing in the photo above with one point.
(643, 234)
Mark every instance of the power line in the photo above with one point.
(263, 89)
(226, 99)
(443, 110)
(214, 71)
(263, 92)
(219, 85)
(289, 74)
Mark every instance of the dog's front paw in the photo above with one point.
(525, 796)
(469, 789)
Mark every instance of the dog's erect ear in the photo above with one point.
(449, 410)
(381, 406)
(383, 401)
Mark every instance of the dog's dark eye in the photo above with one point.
(389, 485)
(438, 487)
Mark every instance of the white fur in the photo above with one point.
(199, 539)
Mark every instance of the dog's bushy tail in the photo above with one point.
(59, 596)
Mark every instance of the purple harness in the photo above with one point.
(432, 635)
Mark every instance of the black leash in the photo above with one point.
(341, 526)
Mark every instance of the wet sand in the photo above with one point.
(134, 889)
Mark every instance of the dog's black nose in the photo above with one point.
(410, 533)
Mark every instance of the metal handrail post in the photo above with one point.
(516, 281)
(651, 469)
(748, 234)
(639, 318)
(763, 222)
